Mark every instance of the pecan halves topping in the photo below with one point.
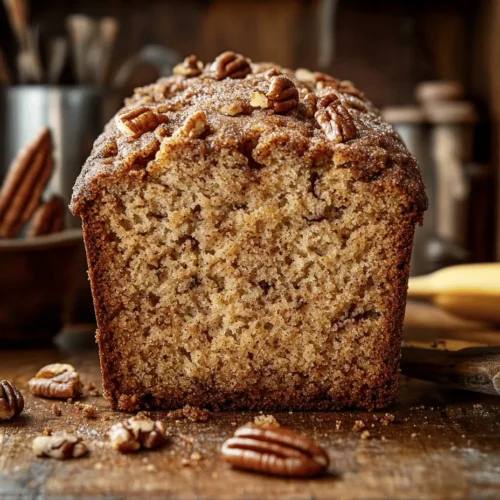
(60, 446)
(56, 381)
(230, 65)
(193, 126)
(282, 94)
(191, 66)
(137, 121)
(275, 451)
(136, 433)
(334, 119)
(11, 401)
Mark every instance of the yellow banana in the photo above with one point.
(470, 291)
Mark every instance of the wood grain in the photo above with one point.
(444, 443)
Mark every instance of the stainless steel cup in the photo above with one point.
(75, 116)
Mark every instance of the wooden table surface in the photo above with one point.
(443, 444)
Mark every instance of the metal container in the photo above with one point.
(75, 116)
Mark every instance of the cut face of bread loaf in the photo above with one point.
(249, 254)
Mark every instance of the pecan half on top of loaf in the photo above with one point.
(56, 381)
(60, 446)
(191, 66)
(136, 433)
(281, 96)
(11, 401)
(231, 65)
(137, 121)
(276, 451)
(334, 119)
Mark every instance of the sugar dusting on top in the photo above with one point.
(376, 153)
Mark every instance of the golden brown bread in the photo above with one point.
(249, 231)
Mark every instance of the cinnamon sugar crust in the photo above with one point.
(249, 255)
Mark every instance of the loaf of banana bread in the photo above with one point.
(248, 231)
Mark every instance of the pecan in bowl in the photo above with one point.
(56, 381)
(276, 451)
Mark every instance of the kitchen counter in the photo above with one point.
(443, 444)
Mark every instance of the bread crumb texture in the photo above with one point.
(244, 259)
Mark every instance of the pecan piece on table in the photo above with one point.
(56, 381)
(334, 119)
(137, 121)
(60, 446)
(191, 66)
(136, 433)
(230, 65)
(282, 94)
(11, 401)
(275, 451)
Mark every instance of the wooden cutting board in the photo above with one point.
(443, 444)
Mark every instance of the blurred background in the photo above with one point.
(433, 67)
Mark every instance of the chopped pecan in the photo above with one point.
(60, 446)
(56, 381)
(282, 94)
(191, 66)
(193, 126)
(275, 451)
(137, 121)
(11, 401)
(334, 119)
(136, 433)
(231, 65)
(259, 100)
(309, 102)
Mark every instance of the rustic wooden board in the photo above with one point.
(444, 443)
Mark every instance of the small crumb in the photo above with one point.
(150, 467)
(477, 405)
(89, 411)
(266, 420)
(56, 410)
(383, 438)
(234, 424)
(359, 425)
(338, 425)
(185, 462)
(192, 413)
(290, 412)
(365, 435)
(413, 435)
(187, 440)
(386, 419)
(463, 435)
(98, 466)
(196, 456)
(215, 475)
(69, 400)
(47, 431)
